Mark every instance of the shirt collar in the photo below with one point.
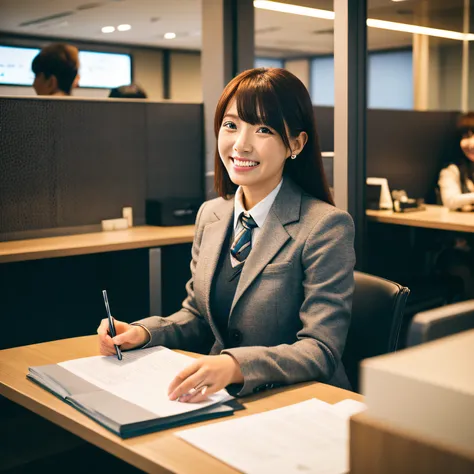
(260, 211)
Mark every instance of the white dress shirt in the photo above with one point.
(258, 213)
(450, 187)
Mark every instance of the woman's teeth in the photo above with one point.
(243, 164)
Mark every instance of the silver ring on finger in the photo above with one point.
(201, 388)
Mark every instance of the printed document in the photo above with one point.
(142, 377)
(310, 437)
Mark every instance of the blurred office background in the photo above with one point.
(418, 79)
(406, 71)
(65, 164)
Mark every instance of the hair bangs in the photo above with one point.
(257, 104)
(465, 123)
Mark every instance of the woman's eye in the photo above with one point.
(230, 125)
(264, 130)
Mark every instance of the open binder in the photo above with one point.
(129, 397)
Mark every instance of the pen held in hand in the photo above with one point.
(111, 324)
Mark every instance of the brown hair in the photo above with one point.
(275, 97)
(465, 126)
(59, 60)
(465, 123)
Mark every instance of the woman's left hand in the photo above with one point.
(210, 372)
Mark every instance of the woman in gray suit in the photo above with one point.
(271, 283)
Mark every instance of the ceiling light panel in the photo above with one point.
(371, 22)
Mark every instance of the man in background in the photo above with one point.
(56, 70)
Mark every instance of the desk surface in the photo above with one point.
(159, 452)
(434, 217)
(81, 244)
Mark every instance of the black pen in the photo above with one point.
(111, 324)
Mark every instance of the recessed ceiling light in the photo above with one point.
(108, 29)
(170, 36)
(124, 27)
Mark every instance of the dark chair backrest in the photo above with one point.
(377, 313)
(440, 322)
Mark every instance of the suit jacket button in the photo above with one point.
(235, 336)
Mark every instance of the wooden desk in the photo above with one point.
(148, 237)
(434, 217)
(159, 452)
(82, 244)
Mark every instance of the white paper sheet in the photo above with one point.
(308, 437)
(347, 408)
(141, 377)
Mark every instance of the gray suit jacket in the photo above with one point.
(291, 311)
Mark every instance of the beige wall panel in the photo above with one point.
(148, 72)
(185, 77)
(300, 68)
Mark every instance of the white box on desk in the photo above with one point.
(427, 390)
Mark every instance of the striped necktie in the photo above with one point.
(243, 240)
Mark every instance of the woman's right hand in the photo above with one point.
(128, 336)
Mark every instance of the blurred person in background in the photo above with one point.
(456, 186)
(132, 91)
(456, 181)
(56, 70)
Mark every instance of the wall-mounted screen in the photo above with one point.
(98, 70)
(15, 65)
(104, 70)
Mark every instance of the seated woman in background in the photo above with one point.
(272, 278)
(456, 184)
(456, 180)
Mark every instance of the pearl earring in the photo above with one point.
(293, 156)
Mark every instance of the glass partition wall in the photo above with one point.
(436, 37)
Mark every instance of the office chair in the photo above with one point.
(377, 313)
(440, 322)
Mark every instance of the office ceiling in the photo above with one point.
(276, 34)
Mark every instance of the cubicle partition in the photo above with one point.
(67, 164)
(409, 148)
(405, 146)
(71, 163)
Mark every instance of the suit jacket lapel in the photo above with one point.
(273, 236)
(210, 251)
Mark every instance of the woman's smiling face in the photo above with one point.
(253, 155)
(467, 145)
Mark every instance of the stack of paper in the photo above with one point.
(308, 437)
